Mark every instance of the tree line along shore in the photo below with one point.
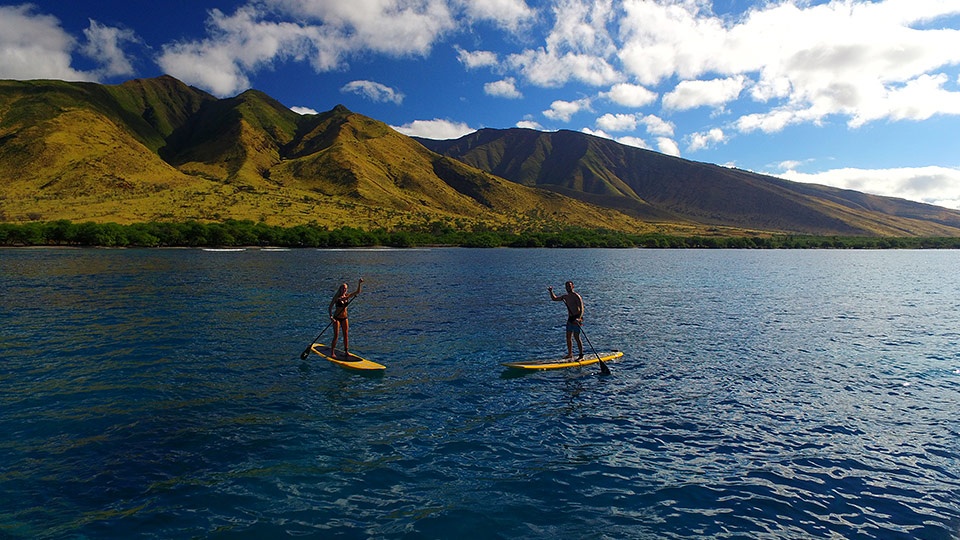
(235, 233)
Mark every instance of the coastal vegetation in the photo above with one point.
(234, 233)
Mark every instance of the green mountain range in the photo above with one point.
(653, 186)
(159, 150)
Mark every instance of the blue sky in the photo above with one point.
(859, 94)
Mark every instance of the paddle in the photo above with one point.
(604, 370)
(306, 352)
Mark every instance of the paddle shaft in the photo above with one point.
(603, 367)
(306, 352)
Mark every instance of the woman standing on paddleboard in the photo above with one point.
(338, 315)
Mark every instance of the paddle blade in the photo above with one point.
(305, 353)
(604, 370)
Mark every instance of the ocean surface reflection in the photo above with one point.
(781, 394)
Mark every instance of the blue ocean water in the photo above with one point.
(762, 394)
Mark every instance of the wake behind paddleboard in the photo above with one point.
(563, 363)
(353, 362)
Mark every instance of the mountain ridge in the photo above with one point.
(650, 185)
(157, 149)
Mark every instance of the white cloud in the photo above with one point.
(505, 88)
(564, 110)
(633, 141)
(789, 164)
(932, 185)
(105, 45)
(699, 141)
(863, 60)
(658, 126)
(435, 129)
(596, 133)
(630, 95)
(509, 14)
(241, 43)
(325, 33)
(373, 91)
(303, 110)
(617, 122)
(543, 68)
(34, 46)
(629, 140)
(529, 124)
(663, 39)
(477, 59)
(393, 27)
(713, 93)
(581, 26)
(918, 99)
(575, 49)
(668, 146)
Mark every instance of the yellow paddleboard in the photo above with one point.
(353, 362)
(564, 362)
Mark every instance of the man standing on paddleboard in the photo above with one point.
(574, 303)
(338, 315)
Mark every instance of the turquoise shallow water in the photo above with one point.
(763, 394)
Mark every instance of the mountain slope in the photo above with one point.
(156, 149)
(75, 144)
(349, 157)
(654, 186)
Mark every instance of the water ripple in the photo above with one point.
(159, 394)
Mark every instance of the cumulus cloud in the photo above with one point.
(529, 124)
(630, 95)
(393, 27)
(596, 133)
(633, 141)
(476, 59)
(509, 14)
(577, 47)
(932, 185)
(791, 62)
(544, 68)
(564, 110)
(863, 60)
(658, 126)
(713, 93)
(699, 141)
(627, 140)
(326, 34)
(239, 44)
(373, 91)
(668, 146)
(105, 44)
(303, 110)
(34, 46)
(435, 129)
(505, 88)
(617, 122)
